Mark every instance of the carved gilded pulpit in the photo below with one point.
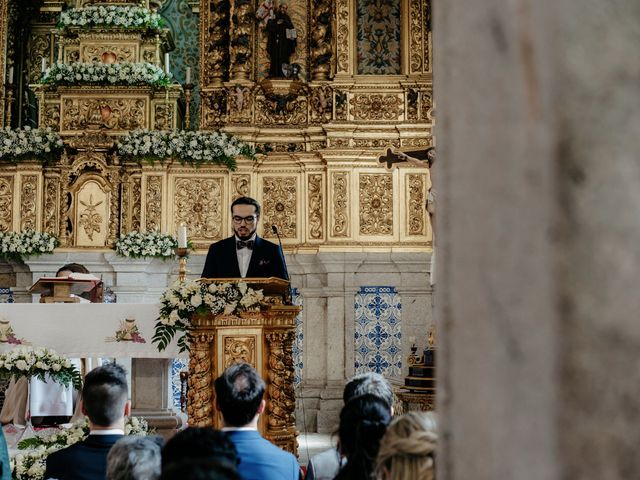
(263, 339)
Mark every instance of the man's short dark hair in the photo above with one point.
(105, 394)
(246, 201)
(73, 268)
(199, 443)
(239, 391)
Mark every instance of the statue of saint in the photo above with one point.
(281, 41)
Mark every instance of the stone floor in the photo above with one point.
(311, 443)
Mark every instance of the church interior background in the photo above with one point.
(356, 236)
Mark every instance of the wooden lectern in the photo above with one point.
(263, 339)
(59, 289)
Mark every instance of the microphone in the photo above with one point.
(288, 300)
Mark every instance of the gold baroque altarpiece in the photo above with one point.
(318, 178)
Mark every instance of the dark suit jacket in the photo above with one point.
(262, 460)
(266, 260)
(86, 460)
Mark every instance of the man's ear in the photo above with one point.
(82, 409)
(263, 404)
(127, 408)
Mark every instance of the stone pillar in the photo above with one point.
(538, 234)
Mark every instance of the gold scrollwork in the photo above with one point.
(342, 37)
(200, 382)
(52, 116)
(28, 202)
(240, 101)
(279, 194)
(6, 203)
(415, 35)
(340, 202)
(376, 106)
(198, 203)
(241, 186)
(109, 54)
(315, 206)
(39, 48)
(415, 211)
(320, 40)
(136, 201)
(321, 104)
(90, 219)
(153, 202)
(376, 204)
(214, 41)
(281, 110)
(280, 382)
(51, 202)
(108, 113)
(239, 350)
(163, 116)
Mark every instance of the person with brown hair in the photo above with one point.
(407, 449)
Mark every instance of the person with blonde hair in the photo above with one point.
(407, 449)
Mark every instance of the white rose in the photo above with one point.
(21, 365)
(56, 367)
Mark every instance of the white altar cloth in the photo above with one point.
(85, 330)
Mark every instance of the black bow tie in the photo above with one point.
(240, 244)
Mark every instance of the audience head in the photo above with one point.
(368, 383)
(239, 392)
(199, 444)
(135, 458)
(105, 396)
(407, 450)
(363, 421)
(203, 469)
(65, 270)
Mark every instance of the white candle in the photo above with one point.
(44, 64)
(166, 63)
(11, 75)
(188, 81)
(182, 236)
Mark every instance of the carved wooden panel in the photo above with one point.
(239, 349)
(376, 106)
(28, 202)
(343, 19)
(376, 204)
(199, 203)
(136, 204)
(6, 203)
(416, 36)
(153, 203)
(340, 202)
(241, 186)
(105, 112)
(114, 53)
(51, 203)
(164, 116)
(416, 194)
(92, 215)
(279, 201)
(316, 206)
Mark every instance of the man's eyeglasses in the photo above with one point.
(250, 220)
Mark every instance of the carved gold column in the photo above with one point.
(242, 22)
(200, 382)
(4, 17)
(281, 401)
(320, 39)
(344, 27)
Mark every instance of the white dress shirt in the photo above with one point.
(244, 256)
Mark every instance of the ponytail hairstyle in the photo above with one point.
(363, 422)
(407, 450)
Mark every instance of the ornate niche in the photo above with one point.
(91, 211)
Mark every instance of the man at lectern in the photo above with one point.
(245, 254)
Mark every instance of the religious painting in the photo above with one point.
(378, 37)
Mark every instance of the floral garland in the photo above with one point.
(41, 144)
(28, 243)
(39, 362)
(184, 299)
(127, 17)
(189, 147)
(146, 244)
(31, 464)
(97, 73)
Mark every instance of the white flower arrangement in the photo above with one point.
(126, 17)
(39, 362)
(184, 299)
(41, 144)
(146, 244)
(189, 147)
(30, 460)
(26, 244)
(97, 73)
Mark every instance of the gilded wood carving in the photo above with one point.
(376, 204)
